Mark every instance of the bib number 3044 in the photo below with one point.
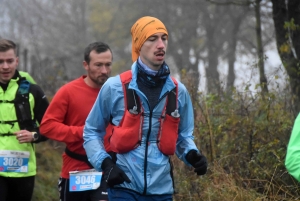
(84, 180)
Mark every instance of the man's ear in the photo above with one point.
(17, 60)
(85, 65)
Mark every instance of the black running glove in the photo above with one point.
(198, 161)
(112, 174)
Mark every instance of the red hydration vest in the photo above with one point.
(127, 136)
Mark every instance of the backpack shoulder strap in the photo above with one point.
(130, 97)
(24, 86)
(22, 105)
(172, 104)
(126, 77)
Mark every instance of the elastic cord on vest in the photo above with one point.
(134, 109)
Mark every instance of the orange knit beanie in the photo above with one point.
(142, 29)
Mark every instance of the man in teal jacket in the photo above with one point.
(22, 106)
(142, 171)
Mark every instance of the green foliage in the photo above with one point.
(293, 28)
(291, 25)
(249, 136)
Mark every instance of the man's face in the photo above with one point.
(153, 50)
(99, 68)
(8, 65)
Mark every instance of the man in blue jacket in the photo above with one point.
(134, 150)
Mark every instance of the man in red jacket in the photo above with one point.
(64, 121)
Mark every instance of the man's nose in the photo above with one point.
(5, 65)
(160, 44)
(103, 69)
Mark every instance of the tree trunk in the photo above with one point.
(288, 41)
(260, 51)
(212, 74)
(232, 42)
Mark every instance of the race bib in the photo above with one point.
(84, 180)
(14, 161)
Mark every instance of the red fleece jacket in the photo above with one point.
(65, 118)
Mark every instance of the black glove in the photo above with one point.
(198, 161)
(112, 174)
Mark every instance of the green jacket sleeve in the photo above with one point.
(292, 160)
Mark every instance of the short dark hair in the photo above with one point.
(6, 45)
(99, 47)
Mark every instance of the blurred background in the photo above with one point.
(238, 58)
(218, 43)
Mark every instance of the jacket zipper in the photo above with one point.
(147, 141)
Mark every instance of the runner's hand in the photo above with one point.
(198, 161)
(24, 136)
(112, 174)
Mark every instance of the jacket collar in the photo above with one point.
(168, 86)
